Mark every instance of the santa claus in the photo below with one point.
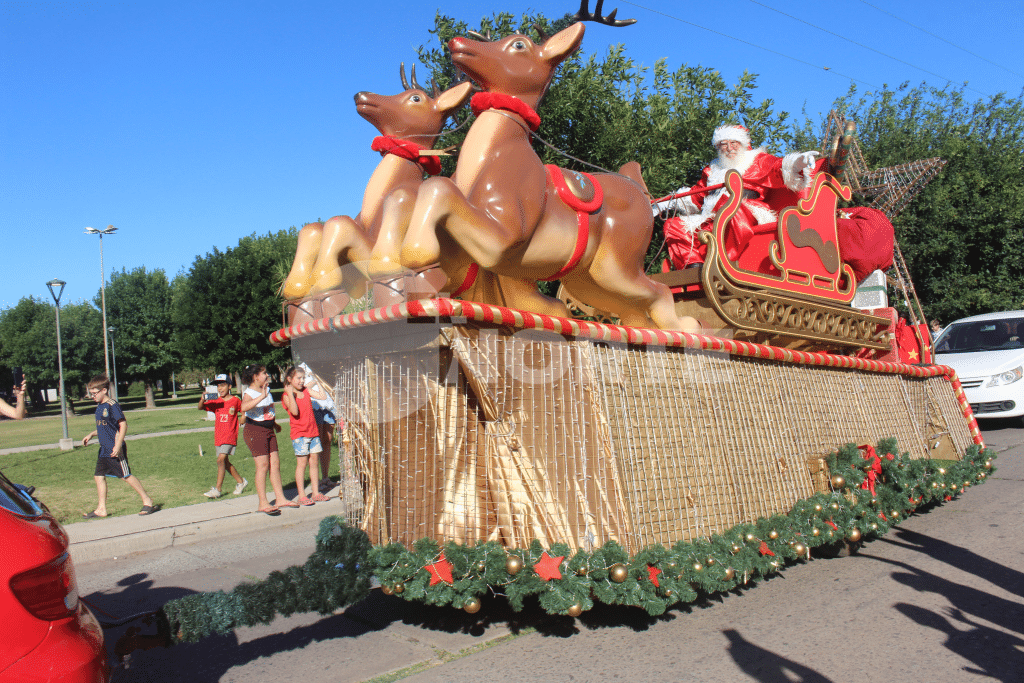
(770, 183)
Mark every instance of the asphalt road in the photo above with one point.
(937, 599)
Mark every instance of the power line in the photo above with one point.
(942, 39)
(866, 47)
(747, 42)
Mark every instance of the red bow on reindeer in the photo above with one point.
(388, 144)
(876, 467)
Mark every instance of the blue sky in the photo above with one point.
(191, 124)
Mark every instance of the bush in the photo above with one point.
(136, 389)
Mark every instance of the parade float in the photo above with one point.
(642, 439)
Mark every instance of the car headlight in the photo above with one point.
(1008, 377)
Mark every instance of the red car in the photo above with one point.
(46, 632)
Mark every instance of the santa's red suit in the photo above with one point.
(770, 183)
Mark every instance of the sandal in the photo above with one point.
(147, 510)
(93, 515)
(273, 512)
(286, 504)
(320, 498)
(304, 501)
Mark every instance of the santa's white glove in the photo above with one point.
(805, 165)
(679, 204)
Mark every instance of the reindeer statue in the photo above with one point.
(409, 122)
(517, 218)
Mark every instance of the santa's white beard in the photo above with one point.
(741, 161)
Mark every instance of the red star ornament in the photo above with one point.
(652, 573)
(764, 550)
(440, 571)
(547, 566)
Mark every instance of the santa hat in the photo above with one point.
(738, 133)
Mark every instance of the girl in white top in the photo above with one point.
(260, 434)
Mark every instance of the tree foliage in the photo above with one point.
(139, 308)
(963, 236)
(227, 304)
(28, 339)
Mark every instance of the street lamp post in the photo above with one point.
(66, 444)
(109, 230)
(113, 358)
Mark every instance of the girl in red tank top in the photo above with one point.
(304, 433)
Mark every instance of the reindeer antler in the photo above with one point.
(415, 85)
(480, 36)
(584, 15)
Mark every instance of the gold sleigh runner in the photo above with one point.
(473, 423)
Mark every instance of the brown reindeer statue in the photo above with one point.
(517, 218)
(409, 123)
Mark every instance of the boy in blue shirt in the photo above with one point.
(112, 461)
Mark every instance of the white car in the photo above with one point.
(987, 352)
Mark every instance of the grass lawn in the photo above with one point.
(45, 429)
(168, 466)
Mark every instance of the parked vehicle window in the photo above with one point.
(16, 500)
(982, 335)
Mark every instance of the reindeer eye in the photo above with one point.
(415, 98)
(519, 45)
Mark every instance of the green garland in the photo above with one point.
(339, 572)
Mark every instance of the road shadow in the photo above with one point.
(766, 666)
(961, 558)
(994, 653)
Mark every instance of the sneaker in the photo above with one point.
(241, 487)
(213, 493)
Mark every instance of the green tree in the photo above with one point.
(28, 339)
(963, 236)
(139, 307)
(227, 304)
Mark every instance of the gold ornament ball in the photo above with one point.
(853, 536)
(988, 464)
(582, 571)
(815, 532)
(730, 574)
(895, 514)
(735, 548)
(471, 606)
(838, 481)
(935, 485)
(874, 526)
(800, 549)
(750, 538)
(818, 508)
(697, 567)
(481, 566)
(710, 562)
(575, 610)
(618, 573)
(513, 564)
(835, 506)
(386, 589)
(942, 470)
(399, 588)
(671, 566)
(669, 593)
(773, 534)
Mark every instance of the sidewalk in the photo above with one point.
(111, 537)
(78, 443)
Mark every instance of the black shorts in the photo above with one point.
(259, 439)
(113, 467)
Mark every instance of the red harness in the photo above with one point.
(388, 144)
(482, 101)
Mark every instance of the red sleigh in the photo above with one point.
(789, 286)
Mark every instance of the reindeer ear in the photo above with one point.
(454, 97)
(562, 44)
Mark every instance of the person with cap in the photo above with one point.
(770, 183)
(225, 408)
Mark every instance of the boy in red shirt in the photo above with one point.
(225, 409)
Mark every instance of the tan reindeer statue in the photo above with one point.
(409, 122)
(519, 219)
